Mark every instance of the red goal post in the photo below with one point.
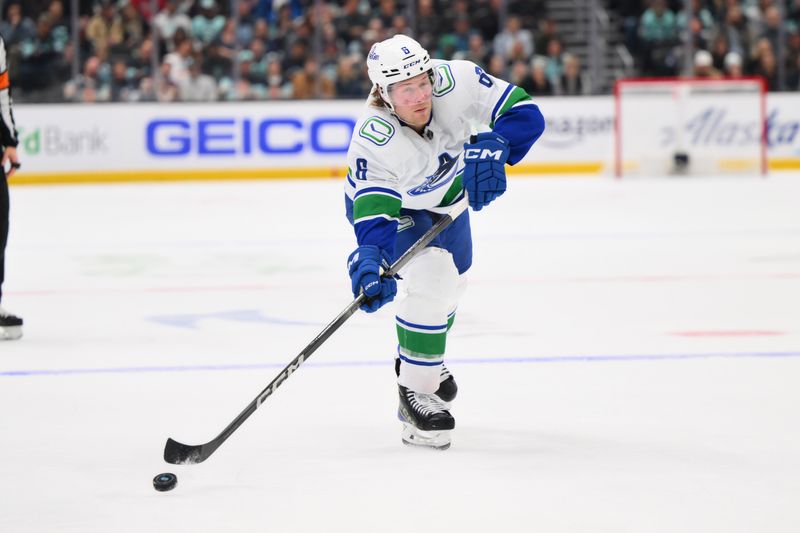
(699, 126)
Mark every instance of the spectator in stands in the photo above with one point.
(295, 58)
(247, 18)
(226, 42)
(140, 63)
(16, 28)
(387, 10)
(476, 51)
(554, 65)
(122, 88)
(521, 76)
(178, 62)
(773, 26)
(428, 24)
(351, 22)
(105, 27)
(733, 66)
(513, 33)
(485, 15)
(658, 36)
(331, 48)
(164, 88)
(700, 24)
(258, 62)
(448, 16)
(208, 23)
(263, 33)
(571, 82)
(736, 31)
(132, 26)
(767, 68)
(197, 87)
(168, 20)
(399, 26)
(278, 87)
(762, 47)
(497, 66)
(541, 85)
(376, 32)
(719, 50)
(703, 65)
(457, 40)
(547, 31)
(88, 87)
(41, 65)
(60, 24)
(792, 50)
(793, 76)
(309, 83)
(349, 82)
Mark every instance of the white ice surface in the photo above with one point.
(628, 355)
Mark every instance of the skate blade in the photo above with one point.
(10, 333)
(438, 440)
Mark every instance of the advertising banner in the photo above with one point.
(294, 139)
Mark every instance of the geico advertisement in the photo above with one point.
(69, 138)
(159, 136)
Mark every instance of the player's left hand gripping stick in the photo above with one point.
(365, 265)
(484, 168)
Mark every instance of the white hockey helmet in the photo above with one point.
(396, 59)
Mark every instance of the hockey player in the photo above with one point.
(431, 131)
(10, 325)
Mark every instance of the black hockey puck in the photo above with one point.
(164, 482)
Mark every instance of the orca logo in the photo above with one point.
(443, 175)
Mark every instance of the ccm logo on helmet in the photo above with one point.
(409, 65)
(482, 154)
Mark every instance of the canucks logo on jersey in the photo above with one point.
(443, 175)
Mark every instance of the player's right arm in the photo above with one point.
(376, 205)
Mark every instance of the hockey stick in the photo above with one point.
(177, 453)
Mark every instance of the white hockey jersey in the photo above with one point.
(391, 166)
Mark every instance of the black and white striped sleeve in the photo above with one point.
(8, 131)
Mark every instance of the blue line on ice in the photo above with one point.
(322, 364)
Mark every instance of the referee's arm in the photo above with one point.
(8, 131)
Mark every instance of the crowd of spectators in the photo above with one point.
(199, 50)
(730, 38)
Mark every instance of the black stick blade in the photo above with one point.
(183, 454)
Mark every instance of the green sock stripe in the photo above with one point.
(424, 345)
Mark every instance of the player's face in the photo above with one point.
(412, 100)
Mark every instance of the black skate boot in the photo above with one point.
(426, 421)
(447, 384)
(10, 326)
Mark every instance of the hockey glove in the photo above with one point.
(484, 168)
(364, 265)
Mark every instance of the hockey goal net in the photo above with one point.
(690, 126)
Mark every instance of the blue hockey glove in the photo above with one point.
(364, 265)
(484, 168)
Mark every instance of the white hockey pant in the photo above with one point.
(432, 286)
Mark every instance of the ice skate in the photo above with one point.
(426, 421)
(10, 326)
(447, 390)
